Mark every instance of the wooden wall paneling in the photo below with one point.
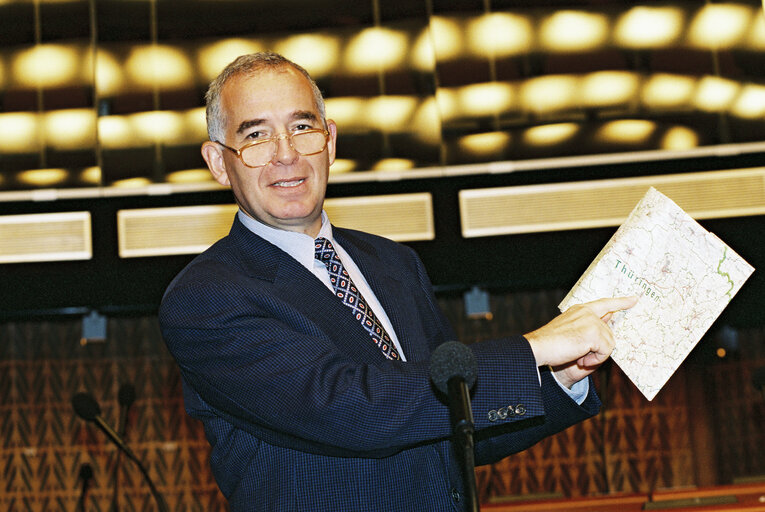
(708, 411)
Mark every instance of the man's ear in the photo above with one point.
(332, 141)
(213, 155)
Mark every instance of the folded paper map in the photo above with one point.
(684, 277)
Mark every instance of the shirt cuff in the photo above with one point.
(578, 391)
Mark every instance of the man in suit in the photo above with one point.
(309, 400)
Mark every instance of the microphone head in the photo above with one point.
(86, 472)
(86, 406)
(126, 395)
(452, 359)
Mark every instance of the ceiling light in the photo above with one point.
(679, 138)
(341, 165)
(626, 131)
(47, 65)
(159, 66)
(549, 93)
(607, 88)
(426, 122)
(719, 25)
(70, 129)
(715, 94)
(447, 37)
(446, 100)
(550, 134)
(485, 144)
(756, 38)
(214, 57)
(91, 175)
(486, 99)
(317, 53)
(393, 164)
(376, 49)
(195, 124)
(500, 34)
(43, 177)
(132, 183)
(423, 52)
(750, 103)
(189, 176)
(110, 79)
(19, 132)
(390, 113)
(347, 112)
(649, 27)
(571, 31)
(160, 126)
(664, 90)
(116, 132)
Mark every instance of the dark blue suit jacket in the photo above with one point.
(302, 410)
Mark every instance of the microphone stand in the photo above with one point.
(154, 492)
(459, 400)
(453, 370)
(126, 396)
(86, 474)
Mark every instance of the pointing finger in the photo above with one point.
(603, 307)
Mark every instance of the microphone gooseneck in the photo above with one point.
(88, 409)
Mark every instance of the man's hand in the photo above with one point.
(576, 342)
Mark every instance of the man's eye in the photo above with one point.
(256, 135)
(302, 127)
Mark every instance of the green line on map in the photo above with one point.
(725, 274)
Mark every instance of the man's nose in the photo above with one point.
(285, 153)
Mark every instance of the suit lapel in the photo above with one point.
(297, 286)
(394, 296)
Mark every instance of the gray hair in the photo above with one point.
(249, 64)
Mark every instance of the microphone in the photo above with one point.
(88, 409)
(453, 370)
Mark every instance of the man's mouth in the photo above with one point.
(289, 183)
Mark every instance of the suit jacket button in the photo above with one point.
(520, 410)
(502, 412)
(456, 495)
(493, 416)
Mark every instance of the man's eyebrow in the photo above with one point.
(304, 114)
(296, 115)
(248, 124)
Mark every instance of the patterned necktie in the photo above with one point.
(351, 297)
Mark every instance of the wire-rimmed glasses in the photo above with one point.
(261, 152)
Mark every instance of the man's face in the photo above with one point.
(288, 192)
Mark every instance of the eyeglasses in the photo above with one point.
(261, 152)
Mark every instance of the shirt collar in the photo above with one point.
(298, 245)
